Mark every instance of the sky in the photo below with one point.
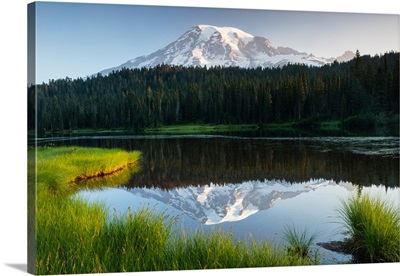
(76, 40)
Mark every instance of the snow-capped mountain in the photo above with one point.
(214, 204)
(206, 45)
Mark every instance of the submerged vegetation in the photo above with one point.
(374, 228)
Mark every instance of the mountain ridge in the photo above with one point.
(208, 45)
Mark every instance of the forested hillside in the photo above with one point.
(137, 98)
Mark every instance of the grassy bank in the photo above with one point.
(374, 228)
(61, 169)
(309, 126)
(365, 124)
(81, 131)
(268, 128)
(199, 129)
(74, 236)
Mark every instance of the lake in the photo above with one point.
(255, 186)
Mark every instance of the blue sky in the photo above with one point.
(77, 40)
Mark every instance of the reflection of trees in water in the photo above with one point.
(168, 163)
(177, 163)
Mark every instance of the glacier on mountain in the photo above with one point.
(207, 45)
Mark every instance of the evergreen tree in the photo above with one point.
(167, 95)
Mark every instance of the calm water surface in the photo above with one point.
(251, 185)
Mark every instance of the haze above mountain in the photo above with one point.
(206, 45)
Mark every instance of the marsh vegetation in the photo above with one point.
(74, 236)
(373, 226)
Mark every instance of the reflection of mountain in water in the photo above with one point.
(213, 204)
(179, 161)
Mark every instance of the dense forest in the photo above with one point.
(365, 87)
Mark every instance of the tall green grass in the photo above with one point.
(67, 231)
(74, 236)
(299, 242)
(374, 228)
(220, 249)
(77, 237)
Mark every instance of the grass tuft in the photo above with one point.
(373, 225)
(299, 241)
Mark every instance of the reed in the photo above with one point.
(373, 224)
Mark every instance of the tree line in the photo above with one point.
(169, 95)
(172, 163)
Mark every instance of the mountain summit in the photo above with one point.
(206, 45)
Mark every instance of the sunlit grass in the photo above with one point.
(74, 236)
(373, 225)
(77, 237)
(59, 169)
(68, 229)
